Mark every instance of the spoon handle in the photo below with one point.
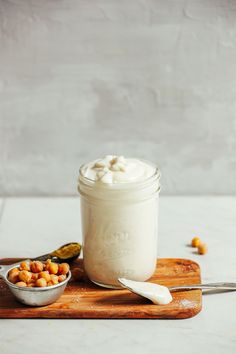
(217, 286)
(43, 258)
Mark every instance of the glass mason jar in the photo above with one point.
(119, 227)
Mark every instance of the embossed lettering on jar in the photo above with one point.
(119, 208)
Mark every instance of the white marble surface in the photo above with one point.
(33, 226)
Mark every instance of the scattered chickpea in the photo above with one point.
(36, 266)
(41, 282)
(45, 274)
(25, 266)
(63, 268)
(195, 242)
(202, 248)
(61, 277)
(77, 274)
(25, 276)
(21, 284)
(54, 279)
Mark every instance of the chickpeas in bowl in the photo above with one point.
(36, 274)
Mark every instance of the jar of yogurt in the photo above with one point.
(119, 208)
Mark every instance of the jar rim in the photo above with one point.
(122, 185)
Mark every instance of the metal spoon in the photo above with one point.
(210, 286)
(71, 252)
(54, 255)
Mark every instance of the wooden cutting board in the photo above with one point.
(83, 299)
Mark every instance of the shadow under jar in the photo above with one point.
(119, 226)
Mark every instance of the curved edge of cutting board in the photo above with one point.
(180, 271)
(83, 299)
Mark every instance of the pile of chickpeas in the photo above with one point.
(37, 274)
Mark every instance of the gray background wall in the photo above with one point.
(153, 79)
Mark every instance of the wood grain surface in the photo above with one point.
(83, 299)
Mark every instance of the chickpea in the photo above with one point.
(45, 274)
(77, 273)
(14, 270)
(36, 266)
(54, 279)
(53, 268)
(63, 268)
(31, 284)
(47, 264)
(44, 266)
(195, 242)
(34, 276)
(50, 283)
(25, 276)
(41, 282)
(61, 277)
(21, 284)
(202, 248)
(25, 266)
(14, 277)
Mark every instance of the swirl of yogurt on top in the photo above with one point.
(116, 169)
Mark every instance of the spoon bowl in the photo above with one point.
(66, 253)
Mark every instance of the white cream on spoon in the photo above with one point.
(158, 294)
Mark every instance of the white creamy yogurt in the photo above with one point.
(158, 294)
(119, 206)
(117, 169)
